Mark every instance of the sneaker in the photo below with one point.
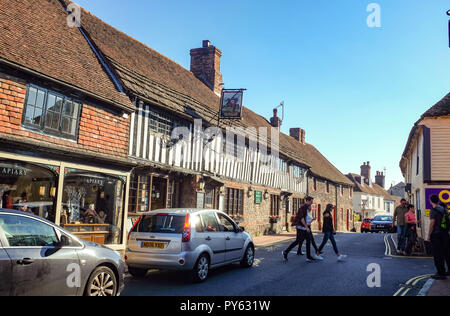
(285, 256)
(320, 258)
(342, 257)
(439, 277)
(300, 254)
(310, 259)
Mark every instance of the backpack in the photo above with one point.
(445, 223)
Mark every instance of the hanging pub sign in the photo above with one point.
(231, 103)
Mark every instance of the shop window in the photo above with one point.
(28, 187)
(51, 113)
(93, 206)
(275, 205)
(234, 202)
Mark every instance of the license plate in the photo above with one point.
(152, 244)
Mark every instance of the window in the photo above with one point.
(234, 202)
(314, 184)
(26, 232)
(275, 205)
(210, 222)
(418, 162)
(296, 204)
(51, 113)
(163, 122)
(327, 184)
(351, 193)
(225, 224)
(298, 171)
(161, 224)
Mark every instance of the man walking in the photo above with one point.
(438, 235)
(399, 221)
(303, 231)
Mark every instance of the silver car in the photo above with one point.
(193, 240)
(38, 258)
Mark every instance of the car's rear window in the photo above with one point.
(163, 224)
(383, 219)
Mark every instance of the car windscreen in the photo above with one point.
(383, 219)
(162, 224)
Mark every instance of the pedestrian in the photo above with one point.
(411, 229)
(309, 221)
(303, 231)
(438, 235)
(447, 256)
(329, 232)
(399, 221)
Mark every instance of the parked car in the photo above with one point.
(192, 240)
(382, 223)
(365, 226)
(38, 258)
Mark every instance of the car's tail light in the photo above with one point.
(187, 229)
(134, 226)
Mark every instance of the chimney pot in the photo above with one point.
(206, 43)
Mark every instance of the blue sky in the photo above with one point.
(357, 91)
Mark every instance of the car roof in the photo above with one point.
(180, 211)
(15, 212)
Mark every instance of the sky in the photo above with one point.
(356, 90)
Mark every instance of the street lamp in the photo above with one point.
(448, 13)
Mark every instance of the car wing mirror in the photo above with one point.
(65, 241)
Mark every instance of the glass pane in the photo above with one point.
(66, 125)
(27, 187)
(75, 110)
(58, 104)
(48, 120)
(26, 232)
(210, 222)
(162, 224)
(40, 99)
(32, 93)
(68, 108)
(94, 201)
(29, 114)
(37, 117)
(51, 99)
(55, 121)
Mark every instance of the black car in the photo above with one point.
(382, 223)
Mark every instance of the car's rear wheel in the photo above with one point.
(249, 257)
(137, 272)
(201, 269)
(102, 283)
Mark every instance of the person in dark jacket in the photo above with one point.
(303, 231)
(439, 238)
(329, 232)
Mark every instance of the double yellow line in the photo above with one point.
(388, 252)
(411, 283)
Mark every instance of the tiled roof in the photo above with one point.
(373, 189)
(35, 35)
(156, 78)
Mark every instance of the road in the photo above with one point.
(271, 276)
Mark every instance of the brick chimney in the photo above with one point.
(299, 134)
(380, 179)
(275, 121)
(365, 172)
(205, 65)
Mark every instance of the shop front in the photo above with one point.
(85, 200)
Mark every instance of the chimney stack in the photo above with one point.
(275, 121)
(380, 179)
(365, 172)
(205, 65)
(299, 134)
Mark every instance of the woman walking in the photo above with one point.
(329, 232)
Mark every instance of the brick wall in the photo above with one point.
(99, 132)
(322, 198)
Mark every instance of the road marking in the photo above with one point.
(415, 280)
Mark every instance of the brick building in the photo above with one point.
(64, 125)
(140, 132)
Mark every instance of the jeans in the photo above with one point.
(301, 236)
(313, 243)
(439, 242)
(401, 234)
(330, 236)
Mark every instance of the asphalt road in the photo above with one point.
(271, 276)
